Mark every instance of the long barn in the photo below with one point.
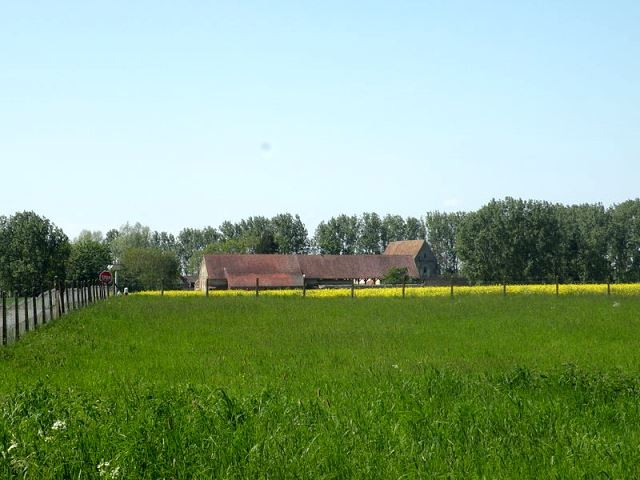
(231, 271)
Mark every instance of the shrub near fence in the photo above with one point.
(21, 314)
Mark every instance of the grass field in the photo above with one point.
(523, 386)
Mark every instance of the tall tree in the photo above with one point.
(625, 241)
(414, 229)
(584, 243)
(338, 236)
(32, 252)
(290, 234)
(129, 236)
(191, 245)
(510, 240)
(164, 241)
(95, 236)
(229, 230)
(442, 232)
(148, 268)
(88, 258)
(257, 233)
(370, 236)
(393, 229)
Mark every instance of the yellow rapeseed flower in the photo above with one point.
(395, 291)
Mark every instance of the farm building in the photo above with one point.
(420, 251)
(224, 271)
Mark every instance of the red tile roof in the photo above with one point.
(241, 270)
(404, 247)
(354, 266)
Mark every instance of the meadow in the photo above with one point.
(478, 386)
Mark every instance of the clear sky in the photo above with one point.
(188, 113)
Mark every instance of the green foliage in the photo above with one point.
(366, 234)
(32, 252)
(510, 240)
(370, 234)
(148, 269)
(625, 241)
(584, 246)
(88, 258)
(257, 235)
(516, 387)
(536, 241)
(338, 236)
(192, 242)
(392, 229)
(414, 229)
(290, 234)
(230, 245)
(396, 276)
(442, 233)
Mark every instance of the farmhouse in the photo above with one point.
(289, 271)
(421, 253)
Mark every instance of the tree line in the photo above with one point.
(514, 240)
(510, 240)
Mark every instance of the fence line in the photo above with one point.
(455, 286)
(20, 314)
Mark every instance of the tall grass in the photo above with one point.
(157, 387)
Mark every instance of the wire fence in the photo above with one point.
(20, 314)
(451, 286)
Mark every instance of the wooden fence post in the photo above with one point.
(44, 307)
(557, 287)
(403, 287)
(609, 287)
(257, 286)
(4, 317)
(206, 287)
(62, 289)
(304, 285)
(50, 304)
(35, 309)
(353, 289)
(16, 313)
(66, 291)
(26, 312)
(57, 287)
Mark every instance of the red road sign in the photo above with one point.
(105, 276)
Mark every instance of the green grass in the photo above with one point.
(478, 387)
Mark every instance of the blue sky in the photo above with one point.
(186, 114)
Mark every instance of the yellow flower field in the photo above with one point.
(570, 289)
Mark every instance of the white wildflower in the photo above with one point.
(103, 468)
(395, 366)
(59, 425)
(616, 304)
(12, 446)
